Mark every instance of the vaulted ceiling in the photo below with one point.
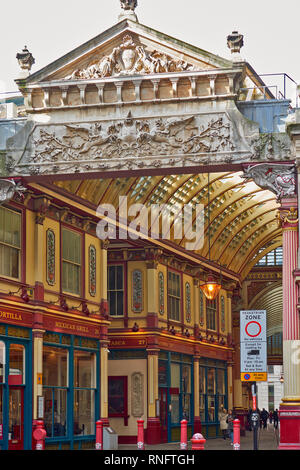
(242, 216)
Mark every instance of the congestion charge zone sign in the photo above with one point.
(253, 336)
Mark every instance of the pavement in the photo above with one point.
(268, 439)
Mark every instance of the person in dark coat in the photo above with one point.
(275, 418)
(264, 416)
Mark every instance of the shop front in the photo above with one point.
(176, 397)
(213, 395)
(70, 390)
(15, 388)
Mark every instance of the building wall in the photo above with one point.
(129, 367)
(263, 387)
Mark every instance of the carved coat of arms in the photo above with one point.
(129, 59)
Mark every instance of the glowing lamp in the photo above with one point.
(211, 288)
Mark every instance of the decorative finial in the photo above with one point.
(26, 61)
(235, 42)
(128, 7)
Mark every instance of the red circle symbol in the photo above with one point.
(256, 333)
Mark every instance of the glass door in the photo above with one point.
(16, 419)
(163, 392)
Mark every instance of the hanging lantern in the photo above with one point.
(211, 288)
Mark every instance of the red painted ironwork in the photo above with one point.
(198, 442)
(99, 435)
(236, 434)
(183, 437)
(140, 435)
(39, 434)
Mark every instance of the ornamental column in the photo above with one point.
(197, 417)
(153, 420)
(230, 358)
(289, 413)
(104, 374)
(280, 178)
(104, 340)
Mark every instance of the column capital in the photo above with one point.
(287, 216)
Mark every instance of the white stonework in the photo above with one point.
(263, 390)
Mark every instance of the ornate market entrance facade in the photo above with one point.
(138, 114)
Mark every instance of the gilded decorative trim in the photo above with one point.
(50, 257)
(161, 290)
(188, 314)
(92, 270)
(201, 308)
(137, 291)
(222, 313)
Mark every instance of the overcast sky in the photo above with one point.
(51, 29)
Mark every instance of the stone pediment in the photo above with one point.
(128, 48)
(131, 58)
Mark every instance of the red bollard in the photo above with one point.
(140, 436)
(198, 442)
(39, 434)
(183, 438)
(99, 435)
(236, 434)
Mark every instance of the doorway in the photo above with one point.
(163, 400)
(16, 419)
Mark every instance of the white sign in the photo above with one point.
(253, 336)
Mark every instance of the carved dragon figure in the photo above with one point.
(278, 178)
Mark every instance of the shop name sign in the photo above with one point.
(253, 337)
(10, 316)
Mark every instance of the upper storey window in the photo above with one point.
(116, 290)
(10, 243)
(174, 295)
(71, 261)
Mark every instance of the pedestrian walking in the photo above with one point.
(275, 418)
(230, 419)
(223, 422)
(264, 416)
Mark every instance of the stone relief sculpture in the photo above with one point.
(129, 59)
(278, 178)
(137, 394)
(88, 145)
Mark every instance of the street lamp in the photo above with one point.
(211, 288)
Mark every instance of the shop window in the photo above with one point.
(2, 362)
(84, 392)
(115, 290)
(221, 388)
(118, 397)
(213, 391)
(55, 416)
(71, 261)
(55, 366)
(1, 412)
(175, 393)
(16, 364)
(10, 243)
(186, 392)
(174, 296)
(202, 389)
(55, 377)
(211, 313)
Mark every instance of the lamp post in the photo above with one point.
(211, 288)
